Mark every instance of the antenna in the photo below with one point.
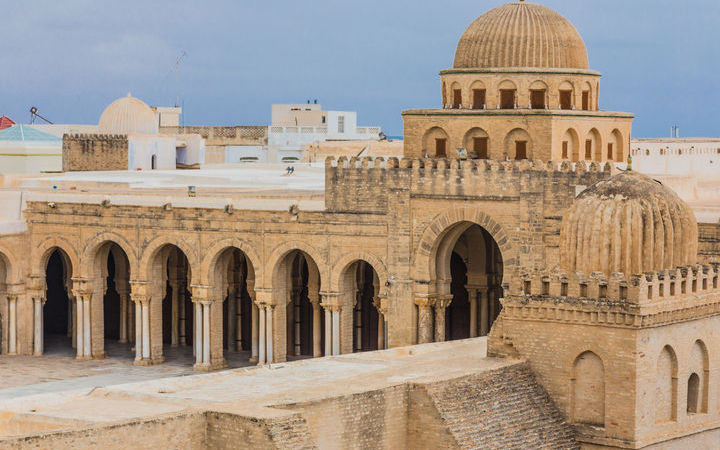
(177, 81)
(34, 115)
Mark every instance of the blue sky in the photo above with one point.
(660, 59)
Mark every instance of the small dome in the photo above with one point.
(629, 224)
(128, 115)
(521, 34)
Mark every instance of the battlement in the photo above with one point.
(95, 137)
(95, 152)
(641, 289)
(364, 183)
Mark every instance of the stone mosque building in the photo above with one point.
(506, 218)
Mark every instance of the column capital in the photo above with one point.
(11, 296)
(381, 305)
(140, 298)
(263, 296)
(425, 301)
(331, 307)
(328, 299)
(443, 302)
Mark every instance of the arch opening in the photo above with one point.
(666, 386)
(436, 142)
(171, 309)
(234, 279)
(360, 285)
(588, 390)
(110, 282)
(297, 279)
(469, 273)
(59, 327)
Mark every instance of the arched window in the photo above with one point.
(699, 385)
(153, 162)
(588, 390)
(666, 386)
(435, 143)
(693, 392)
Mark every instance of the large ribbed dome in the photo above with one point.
(128, 115)
(521, 34)
(629, 224)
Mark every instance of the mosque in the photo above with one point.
(507, 218)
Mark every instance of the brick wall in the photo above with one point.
(502, 409)
(82, 152)
(368, 420)
(230, 431)
(709, 242)
(245, 135)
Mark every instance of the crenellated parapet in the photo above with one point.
(95, 152)
(364, 183)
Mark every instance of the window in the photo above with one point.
(520, 150)
(480, 147)
(537, 99)
(565, 99)
(526, 287)
(441, 147)
(692, 393)
(565, 146)
(507, 98)
(324, 119)
(478, 99)
(153, 162)
(610, 152)
(341, 124)
(586, 100)
(588, 149)
(457, 98)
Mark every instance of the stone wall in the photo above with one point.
(502, 409)
(709, 242)
(83, 152)
(231, 431)
(178, 431)
(238, 135)
(368, 420)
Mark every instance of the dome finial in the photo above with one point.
(129, 95)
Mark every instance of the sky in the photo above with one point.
(660, 59)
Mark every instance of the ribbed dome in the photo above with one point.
(128, 115)
(629, 224)
(521, 34)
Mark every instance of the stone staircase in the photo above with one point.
(502, 409)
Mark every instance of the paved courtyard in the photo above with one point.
(58, 370)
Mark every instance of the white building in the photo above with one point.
(293, 126)
(690, 166)
(23, 149)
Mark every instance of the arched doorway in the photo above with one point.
(111, 283)
(168, 309)
(303, 312)
(469, 271)
(58, 324)
(233, 277)
(361, 286)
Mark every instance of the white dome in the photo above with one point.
(128, 115)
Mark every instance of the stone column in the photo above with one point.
(197, 336)
(254, 350)
(70, 316)
(73, 309)
(358, 326)
(182, 312)
(237, 301)
(146, 328)
(483, 313)
(295, 300)
(131, 321)
(425, 319)
(174, 311)
(382, 311)
(328, 330)
(38, 303)
(123, 316)
(79, 321)
(206, 333)
(440, 306)
(82, 300)
(317, 330)
(336, 330)
(12, 324)
(472, 296)
(261, 334)
(138, 327)
(269, 332)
